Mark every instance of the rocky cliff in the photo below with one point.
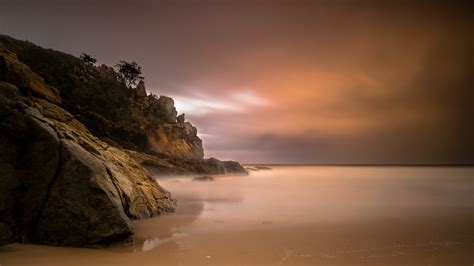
(157, 118)
(57, 178)
(120, 115)
(75, 145)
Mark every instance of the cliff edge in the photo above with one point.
(76, 147)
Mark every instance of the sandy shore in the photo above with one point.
(297, 216)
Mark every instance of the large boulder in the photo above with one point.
(60, 185)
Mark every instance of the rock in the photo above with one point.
(15, 72)
(140, 92)
(166, 110)
(9, 91)
(163, 165)
(110, 110)
(180, 118)
(62, 186)
(233, 167)
(203, 178)
(261, 167)
(177, 140)
(66, 176)
(227, 167)
(258, 168)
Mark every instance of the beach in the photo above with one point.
(297, 215)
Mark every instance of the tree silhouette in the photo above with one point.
(129, 73)
(87, 59)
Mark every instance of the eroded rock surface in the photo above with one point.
(61, 185)
(75, 146)
(16, 72)
(176, 140)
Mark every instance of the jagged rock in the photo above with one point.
(108, 108)
(140, 91)
(180, 118)
(105, 105)
(59, 185)
(176, 140)
(166, 109)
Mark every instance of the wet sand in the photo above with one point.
(297, 216)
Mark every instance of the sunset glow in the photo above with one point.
(236, 132)
(308, 82)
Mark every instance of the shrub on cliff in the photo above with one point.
(87, 59)
(129, 73)
(93, 88)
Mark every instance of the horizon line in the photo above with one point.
(364, 164)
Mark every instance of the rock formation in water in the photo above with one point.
(75, 145)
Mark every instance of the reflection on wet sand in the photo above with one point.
(297, 216)
(151, 233)
(152, 243)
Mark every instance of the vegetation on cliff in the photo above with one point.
(76, 144)
(102, 99)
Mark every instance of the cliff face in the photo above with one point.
(63, 186)
(117, 114)
(13, 71)
(75, 145)
(157, 118)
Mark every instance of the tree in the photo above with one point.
(129, 73)
(87, 59)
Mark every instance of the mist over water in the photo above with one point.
(308, 194)
(325, 212)
(298, 215)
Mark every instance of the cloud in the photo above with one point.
(199, 104)
(202, 105)
(250, 98)
(289, 81)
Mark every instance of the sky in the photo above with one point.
(279, 81)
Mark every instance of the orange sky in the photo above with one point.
(288, 81)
